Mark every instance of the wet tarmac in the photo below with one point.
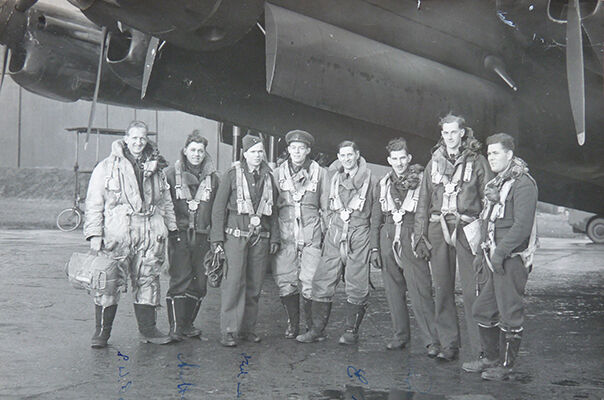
(45, 329)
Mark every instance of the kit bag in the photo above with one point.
(98, 274)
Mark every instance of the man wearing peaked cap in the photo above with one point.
(300, 136)
(302, 183)
(245, 228)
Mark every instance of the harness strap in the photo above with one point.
(396, 243)
(288, 185)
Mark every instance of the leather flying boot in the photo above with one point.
(307, 308)
(489, 356)
(354, 316)
(192, 305)
(509, 345)
(292, 309)
(104, 317)
(228, 339)
(320, 316)
(146, 318)
(174, 325)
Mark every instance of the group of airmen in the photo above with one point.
(314, 225)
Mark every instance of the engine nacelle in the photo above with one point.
(194, 25)
(125, 56)
(58, 56)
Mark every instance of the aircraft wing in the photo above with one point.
(363, 70)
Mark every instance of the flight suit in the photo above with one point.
(345, 250)
(193, 189)
(461, 183)
(392, 222)
(128, 205)
(300, 207)
(133, 224)
(246, 256)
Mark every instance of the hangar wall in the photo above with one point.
(33, 135)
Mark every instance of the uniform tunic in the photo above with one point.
(246, 264)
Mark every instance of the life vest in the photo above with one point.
(244, 199)
(387, 202)
(204, 192)
(452, 185)
(356, 203)
(494, 211)
(389, 206)
(286, 183)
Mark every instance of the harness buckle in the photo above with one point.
(345, 215)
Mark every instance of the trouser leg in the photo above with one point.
(285, 270)
(416, 272)
(509, 292)
(197, 288)
(257, 262)
(467, 276)
(443, 273)
(309, 262)
(233, 286)
(356, 274)
(329, 271)
(395, 287)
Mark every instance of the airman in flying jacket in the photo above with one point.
(450, 199)
(508, 242)
(193, 184)
(245, 228)
(392, 220)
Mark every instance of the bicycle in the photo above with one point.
(70, 218)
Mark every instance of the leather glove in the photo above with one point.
(422, 250)
(95, 243)
(375, 259)
(274, 248)
(497, 262)
(217, 247)
(173, 235)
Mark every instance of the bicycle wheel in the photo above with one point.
(69, 219)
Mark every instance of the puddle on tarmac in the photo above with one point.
(360, 393)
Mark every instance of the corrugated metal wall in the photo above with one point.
(33, 135)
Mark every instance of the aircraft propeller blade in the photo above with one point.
(574, 68)
(96, 86)
(149, 60)
(5, 56)
(24, 5)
